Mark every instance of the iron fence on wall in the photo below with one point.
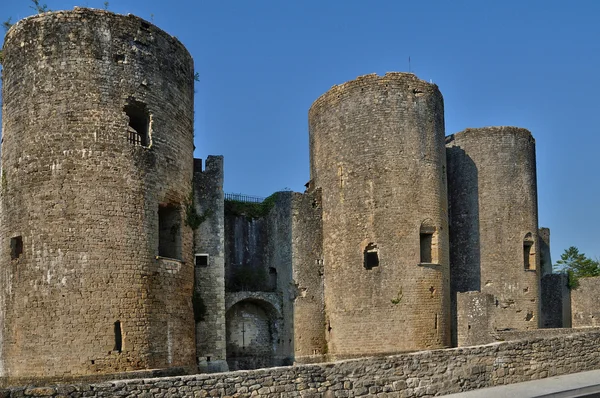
(243, 198)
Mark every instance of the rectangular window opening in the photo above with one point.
(201, 260)
(169, 232)
(16, 247)
(371, 256)
(426, 247)
(527, 255)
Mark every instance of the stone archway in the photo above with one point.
(251, 334)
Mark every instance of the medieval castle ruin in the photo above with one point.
(120, 252)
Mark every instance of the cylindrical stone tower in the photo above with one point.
(377, 152)
(97, 163)
(494, 221)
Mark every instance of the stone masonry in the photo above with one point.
(377, 153)
(121, 254)
(97, 158)
(493, 221)
(420, 374)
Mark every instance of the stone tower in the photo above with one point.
(494, 221)
(97, 164)
(377, 152)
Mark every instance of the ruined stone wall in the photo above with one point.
(259, 265)
(584, 303)
(308, 300)
(245, 247)
(279, 261)
(377, 152)
(475, 312)
(97, 136)
(493, 221)
(544, 249)
(421, 374)
(209, 268)
(556, 301)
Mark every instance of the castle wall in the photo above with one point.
(246, 267)
(426, 373)
(279, 252)
(377, 152)
(555, 296)
(259, 264)
(96, 165)
(210, 270)
(307, 281)
(544, 249)
(584, 303)
(493, 221)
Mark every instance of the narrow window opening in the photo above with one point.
(207, 359)
(426, 240)
(428, 243)
(201, 260)
(16, 247)
(139, 123)
(169, 232)
(371, 256)
(273, 278)
(528, 253)
(118, 337)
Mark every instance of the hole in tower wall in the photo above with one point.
(371, 256)
(528, 253)
(138, 129)
(169, 231)
(118, 337)
(16, 247)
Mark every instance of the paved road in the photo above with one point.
(584, 384)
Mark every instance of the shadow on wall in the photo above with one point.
(252, 327)
(463, 214)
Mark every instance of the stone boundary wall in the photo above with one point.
(419, 374)
(513, 335)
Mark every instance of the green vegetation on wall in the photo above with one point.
(249, 209)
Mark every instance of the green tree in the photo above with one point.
(576, 265)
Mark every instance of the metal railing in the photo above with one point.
(243, 198)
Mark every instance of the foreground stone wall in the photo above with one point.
(422, 374)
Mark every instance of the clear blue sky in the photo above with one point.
(533, 64)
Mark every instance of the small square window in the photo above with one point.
(201, 260)
(16, 247)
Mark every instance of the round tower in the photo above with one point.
(97, 162)
(494, 220)
(377, 152)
